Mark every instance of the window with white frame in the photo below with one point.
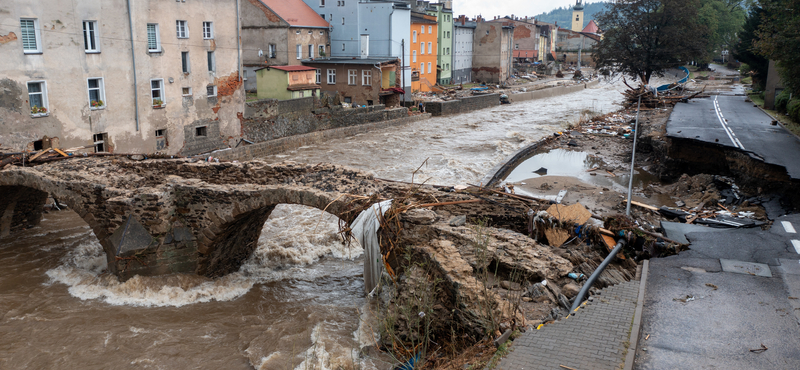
(351, 76)
(422, 29)
(185, 62)
(153, 38)
(342, 21)
(429, 67)
(91, 43)
(299, 51)
(37, 98)
(157, 92)
(212, 62)
(422, 68)
(208, 30)
(430, 29)
(321, 2)
(331, 77)
(30, 35)
(342, 46)
(97, 93)
(430, 48)
(422, 49)
(413, 56)
(211, 91)
(310, 51)
(319, 75)
(414, 36)
(366, 77)
(186, 91)
(273, 51)
(182, 29)
(321, 50)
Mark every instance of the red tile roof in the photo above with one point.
(591, 27)
(296, 13)
(293, 68)
(526, 53)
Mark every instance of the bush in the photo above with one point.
(744, 69)
(793, 109)
(781, 101)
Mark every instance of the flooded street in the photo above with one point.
(297, 303)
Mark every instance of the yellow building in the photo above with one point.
(424, 46)
(577, 16)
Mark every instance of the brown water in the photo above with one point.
(298, 303)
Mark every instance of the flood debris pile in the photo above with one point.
(651, 98)
(464, 266)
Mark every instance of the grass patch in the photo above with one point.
(251, 97)
(747, 80)
(502, 351)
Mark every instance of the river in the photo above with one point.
(297, 303)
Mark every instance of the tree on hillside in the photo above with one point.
(745, 51)
(724, 20)
(645, 37)
(779, 38)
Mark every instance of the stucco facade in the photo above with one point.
(67, 55)
(287, 82)
(492, 41)
(424, 43)
(280, 32)
(463, 34)
(359, 81)
(444, 17)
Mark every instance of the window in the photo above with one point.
(413, 56)
(351, 76)
(100, 142)
(422, 49)
(331, 77)
(342, 46)
(201, 131)
(157, 92)
(30, 35)
(182, 29)
(430, 29)
(211, 91)
(430, 47)
(319, 75)
(273, 51)
(366, 77)
(153, 39)
(310, 51)
(37, 97)
(422, 30)
(90, 39)
(208, 30)
(516, 46)
(321, 50)
(321, 2)
(429, 67)
(161, 132)
(577, 17)
(297, 32)
(299, 51)
(321, 33)
(342, 21)
(186, 91)
(212, 62)
(330, 17)
(322, 15)
(422, 68)
(185, 61)
(310, 32)
(414, 36)
(97, 93)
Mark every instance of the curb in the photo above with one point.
(637, 318)
(776, 120)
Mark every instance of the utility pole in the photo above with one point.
(403, 68)
(580, 50)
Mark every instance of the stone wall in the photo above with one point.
(20, 207)
(248, 152)
(551, 91)
(462, 105)
(195, 143)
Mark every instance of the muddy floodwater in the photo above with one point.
(297, 303)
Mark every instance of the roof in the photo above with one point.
(296, 13)
(290, 68)
(526, 53)
(335, 60)
(302, 87)
(419, 19)
(591, 27)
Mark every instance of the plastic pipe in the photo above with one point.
(595, 274)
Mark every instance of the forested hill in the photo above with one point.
(564, 15)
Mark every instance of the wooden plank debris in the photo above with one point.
(60, 152)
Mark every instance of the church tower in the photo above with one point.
(577, 16)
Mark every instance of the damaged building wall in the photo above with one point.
(570, 43)
(67, 72)
(491, 62)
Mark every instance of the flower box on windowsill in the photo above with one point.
(37, 115)
(159, 106)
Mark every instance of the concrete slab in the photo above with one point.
(677, 231)
(748, 268)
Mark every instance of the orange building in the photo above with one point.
(423, 51)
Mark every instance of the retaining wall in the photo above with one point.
(462, 105)
(551, 91)
(248, 152)
(499, 172)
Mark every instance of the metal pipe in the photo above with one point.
(133, 57)
(633, 157)
(238, 43)
(595, 274)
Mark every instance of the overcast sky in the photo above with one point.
(491, 8)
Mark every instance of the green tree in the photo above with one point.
(646, 37)
(724, 20)
(744, 50)
(779, 38)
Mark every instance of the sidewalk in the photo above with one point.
(597, 336)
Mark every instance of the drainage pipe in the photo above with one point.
(595, 274)
(133, 57)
